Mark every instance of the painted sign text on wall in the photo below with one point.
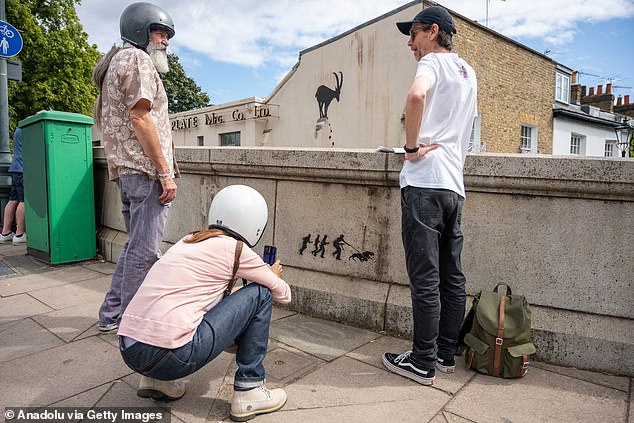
(213, 118)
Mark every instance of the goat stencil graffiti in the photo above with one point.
(339, 244)
(325, 95)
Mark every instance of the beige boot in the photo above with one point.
(247, 404)
(167, 390)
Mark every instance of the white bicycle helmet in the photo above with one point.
(241, 211)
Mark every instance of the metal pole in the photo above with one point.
(5, 153)
(487, 13)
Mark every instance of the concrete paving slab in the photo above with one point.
(105, 267)
(284, 365)
(326, 340)
(86, 399)
(8, 250)
(346, 382)
(281, 313)
(372, 353)
(444, 417)
(611, 381)
(7, 325)
(50, 376)
(26, 264)
(412, 411)
(202, 387)
(25, 338)
(69, 295)
(540, 396)
(69, 323)
(19, 307)
(30, 283)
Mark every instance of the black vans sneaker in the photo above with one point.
(446, 365)
(402, 365)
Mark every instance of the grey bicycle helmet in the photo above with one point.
(138, 19)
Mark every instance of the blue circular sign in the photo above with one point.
(10, 40)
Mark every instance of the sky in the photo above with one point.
(243, 48)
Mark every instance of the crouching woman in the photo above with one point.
(180, 319)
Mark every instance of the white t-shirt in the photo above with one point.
(450, 107)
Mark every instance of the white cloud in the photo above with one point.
(271, 32)
(555, 21)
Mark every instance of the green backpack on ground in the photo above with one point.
(497, 334)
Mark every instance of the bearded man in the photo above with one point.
(132, 113)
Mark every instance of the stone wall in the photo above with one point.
(557, 230)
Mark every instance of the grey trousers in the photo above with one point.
(433, 242)
(145, 218)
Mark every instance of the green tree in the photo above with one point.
(57, 59)
(182, 92)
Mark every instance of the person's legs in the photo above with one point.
(245, 315)
(19, 219)
(423, 215)
(110, 309)
(9, 215)
(147, 225)
(453, 296)
(145, 219)
(10, 208)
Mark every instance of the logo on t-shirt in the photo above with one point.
(463, 72)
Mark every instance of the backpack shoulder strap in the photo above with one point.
(236, 265)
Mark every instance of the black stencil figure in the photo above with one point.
(338, 244)
(305, 242)
(314, 252)
(322, 244)
(362, 256)
(325, 95)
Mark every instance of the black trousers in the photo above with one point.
(433, 242)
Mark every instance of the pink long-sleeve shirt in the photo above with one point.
(185, 284)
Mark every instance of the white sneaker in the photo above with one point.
(5, 239)
(247, 404)
(108, 327)
(167, 390)
(17, 240)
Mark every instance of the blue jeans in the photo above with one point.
(433, 243)
(244, 316)
(144, 218)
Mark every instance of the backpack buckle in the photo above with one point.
(498, 341)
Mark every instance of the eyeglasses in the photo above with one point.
(413, 32)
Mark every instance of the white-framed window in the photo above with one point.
(528, 139)
(575, 144)
(475, 142)
(610, 148)
(201, 140)
(562, 88)
(230, 139)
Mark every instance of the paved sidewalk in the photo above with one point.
(51, 354)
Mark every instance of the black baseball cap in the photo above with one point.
(430, 15)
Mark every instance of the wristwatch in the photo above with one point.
(411, 150)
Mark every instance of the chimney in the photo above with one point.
(591, 91)
(583, 91)
(608, 88)
(574, 77)
(618, 100)
(626, 101)
(600, 90)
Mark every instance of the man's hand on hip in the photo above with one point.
(423, 149)
(169, 190)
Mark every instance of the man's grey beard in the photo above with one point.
(158, 54)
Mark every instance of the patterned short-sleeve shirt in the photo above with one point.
(131, 77)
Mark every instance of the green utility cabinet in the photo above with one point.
(59, 199)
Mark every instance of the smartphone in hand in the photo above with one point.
(269, 254)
